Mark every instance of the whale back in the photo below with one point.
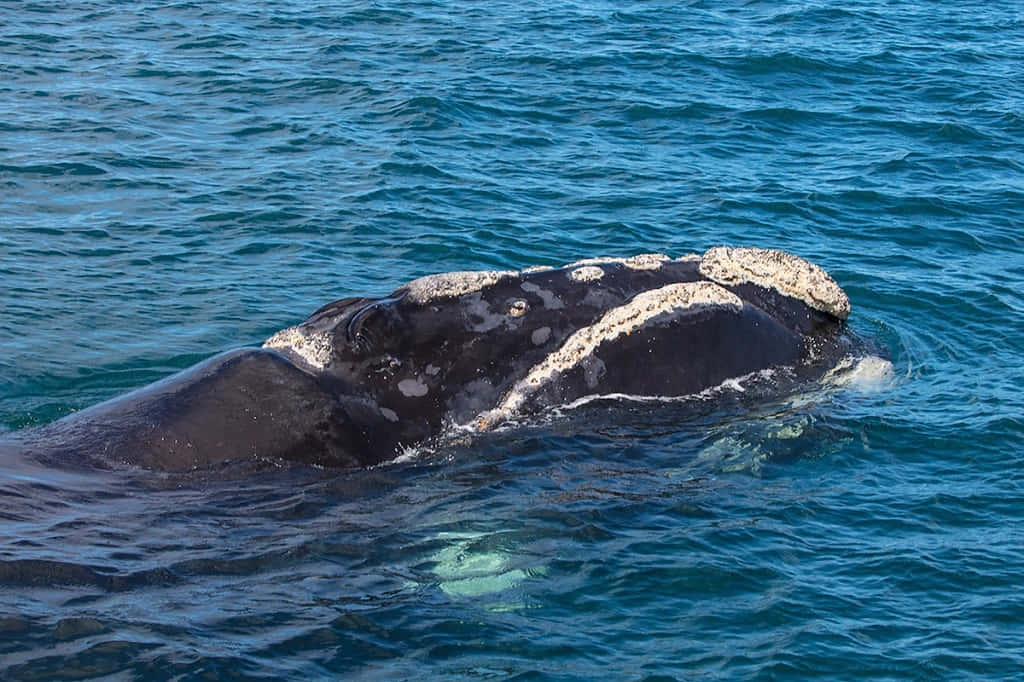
(240, 405)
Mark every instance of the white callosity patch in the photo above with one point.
(316, 349)
(518, 308)
(452, 284)
(788, 274)
(643, 261)
(646, 261)
(587, 273)
(662, 304)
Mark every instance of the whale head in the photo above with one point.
(478, 347)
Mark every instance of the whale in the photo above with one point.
(364, 379)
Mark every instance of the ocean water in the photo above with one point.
(178, 179)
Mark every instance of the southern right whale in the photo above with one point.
(362, 378)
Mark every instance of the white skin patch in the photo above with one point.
(315, 349)
(389, 414)
(540, 336)
(643, 261)
(481, 319)
(788, 274)
(588, 273)
(665, 304)
(453, 284)
(412, 388)
(551, 302)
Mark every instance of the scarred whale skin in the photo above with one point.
(362, 378)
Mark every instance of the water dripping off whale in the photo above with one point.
(363, 378)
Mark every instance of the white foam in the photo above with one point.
(867, 374)
(405, 454)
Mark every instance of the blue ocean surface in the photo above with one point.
(180, 178)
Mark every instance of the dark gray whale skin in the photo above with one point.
(246, 403)
(362, 378)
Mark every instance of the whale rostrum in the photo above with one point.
(363, 378)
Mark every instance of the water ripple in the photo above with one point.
(185, 178)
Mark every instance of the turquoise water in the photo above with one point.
(179, 179)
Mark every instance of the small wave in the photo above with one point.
(42, 572)
(55, 169)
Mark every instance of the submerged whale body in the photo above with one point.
(363, 378)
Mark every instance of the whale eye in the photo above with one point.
(371, 325)
(334, 310)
